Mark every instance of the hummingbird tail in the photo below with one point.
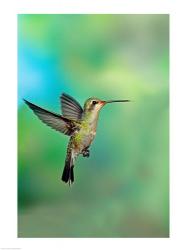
(68, 175)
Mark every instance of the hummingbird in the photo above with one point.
(78, 123)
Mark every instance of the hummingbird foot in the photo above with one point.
(86, 152)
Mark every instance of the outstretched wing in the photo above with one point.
(53, 120)
(71, 109)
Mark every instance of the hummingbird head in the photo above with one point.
(94, 104)
(92, 107)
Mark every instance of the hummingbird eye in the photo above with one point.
(94, 102)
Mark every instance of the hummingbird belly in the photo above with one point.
(83, 138)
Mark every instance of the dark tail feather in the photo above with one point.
(68, 175)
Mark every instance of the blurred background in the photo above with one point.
(122, 190)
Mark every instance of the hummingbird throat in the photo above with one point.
(91, 117)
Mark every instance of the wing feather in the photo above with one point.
(53, 120)
(70, 107)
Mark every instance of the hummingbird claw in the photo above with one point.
(86, 152)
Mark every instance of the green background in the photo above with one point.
(122, 190)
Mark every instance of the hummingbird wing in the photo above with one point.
(53, 120)
(71, 109)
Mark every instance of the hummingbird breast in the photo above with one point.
(83, 138)
(86, 133)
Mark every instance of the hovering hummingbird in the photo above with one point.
(77, 122)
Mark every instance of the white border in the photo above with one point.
(97, 6)
(8, 56)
